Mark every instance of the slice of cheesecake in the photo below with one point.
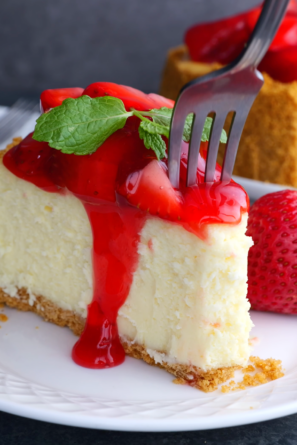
(172, 291)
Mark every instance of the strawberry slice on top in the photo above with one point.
(131, 97)
(150, 190)
(53, 98)
(161, 101)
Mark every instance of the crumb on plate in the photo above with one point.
(264, 371)
(15, 141)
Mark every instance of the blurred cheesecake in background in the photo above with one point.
(268, 147)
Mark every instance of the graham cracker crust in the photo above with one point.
(206, 381)
(14, 142)
(45, 308)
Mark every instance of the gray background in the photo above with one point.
(60, 43)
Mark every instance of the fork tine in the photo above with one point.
(197, 129)
(175, 141)
(213, 146)
(236, 128)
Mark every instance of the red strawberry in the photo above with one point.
(151, 191)
(131, 97)
(28, 161)
(161, 101)
(54, 98)
(94, 176)
(272, 261)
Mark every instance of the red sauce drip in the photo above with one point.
(222, 41)
(116, 234)
(121, 185)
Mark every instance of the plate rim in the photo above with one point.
(24, 396)
(131, 424)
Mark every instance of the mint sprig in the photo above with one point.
(162, 116)
(81, 125)
(153, 141)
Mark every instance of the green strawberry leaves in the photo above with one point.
(81, 125)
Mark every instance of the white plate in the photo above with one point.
(256, 189)
(39, 380)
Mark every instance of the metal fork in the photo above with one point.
(232, 88)
(18, 114)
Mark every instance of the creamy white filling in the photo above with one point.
(188, 297)
(45, 244)
(187, 302)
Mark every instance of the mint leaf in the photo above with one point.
(154, 128)
(81, 125)
(206, 131)
(162, 116)
(188, 128)
(152, 141)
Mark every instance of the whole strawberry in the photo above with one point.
(272, 261)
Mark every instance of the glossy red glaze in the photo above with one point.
(121, 185)
(223, 41)
(53, 98)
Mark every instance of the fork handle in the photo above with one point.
(263, 34)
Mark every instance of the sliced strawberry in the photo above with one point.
(151, 191)
(201, 164)
(216, 202)
(94, 176)
(161, 101)
(131, 97)
(31, 156)
(29, 161)
(53, 98)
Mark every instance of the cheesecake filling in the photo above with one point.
(125, 201)
(187, 299)
(45, 244)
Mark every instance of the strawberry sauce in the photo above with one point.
(121, 185)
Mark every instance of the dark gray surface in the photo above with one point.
(19, 431)
(58, 43)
